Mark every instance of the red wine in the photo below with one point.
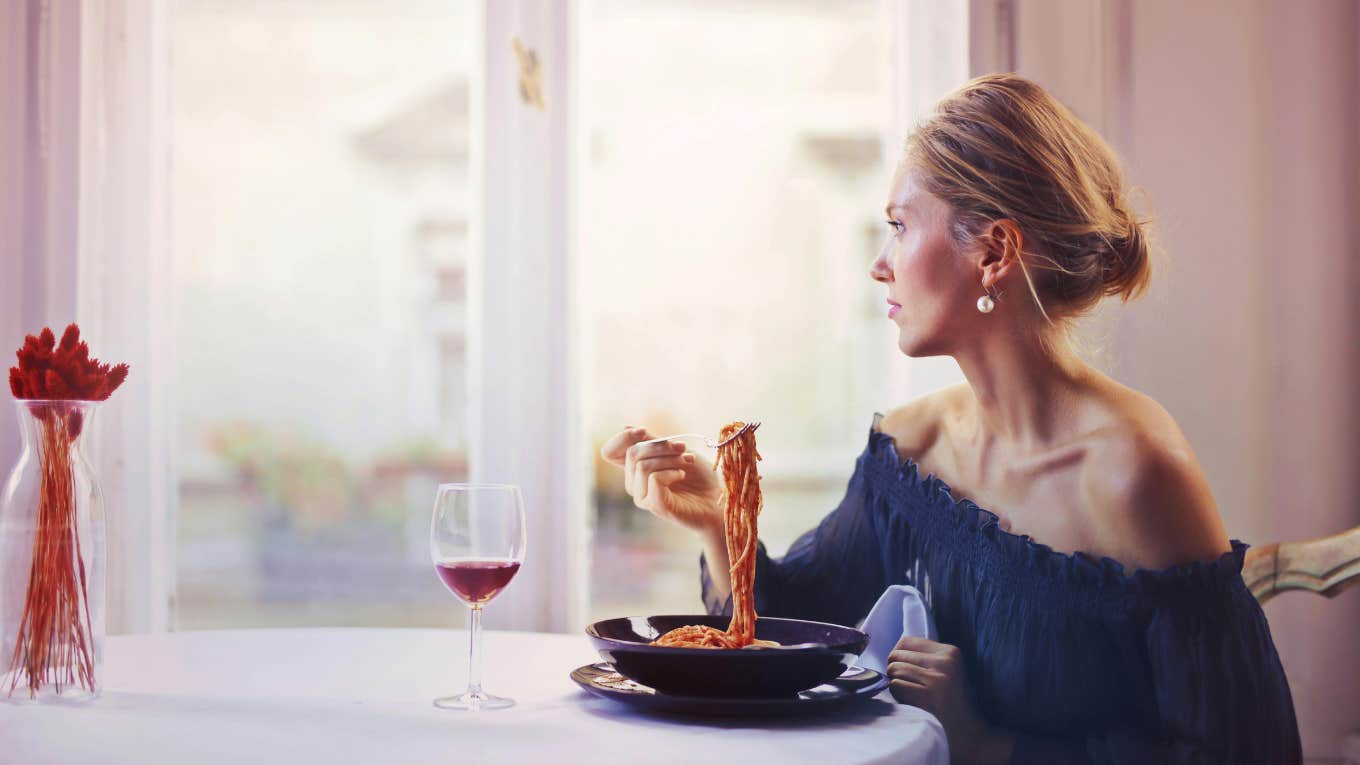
(476, 581)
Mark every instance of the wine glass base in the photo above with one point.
(473, 702)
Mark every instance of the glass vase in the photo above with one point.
(52, 547)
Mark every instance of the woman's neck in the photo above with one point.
(1025, 391)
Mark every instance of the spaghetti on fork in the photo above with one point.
(741, 495)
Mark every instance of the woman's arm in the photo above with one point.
(832, 573)
(719, 581)
(931, 675)
(1217, 690)
(1218, 687)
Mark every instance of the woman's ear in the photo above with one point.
(1002, 244)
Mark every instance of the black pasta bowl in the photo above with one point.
(810, 653)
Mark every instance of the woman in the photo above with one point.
(1128, 634)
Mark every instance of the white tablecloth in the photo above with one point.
(338, 696)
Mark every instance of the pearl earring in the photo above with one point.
(985, 304)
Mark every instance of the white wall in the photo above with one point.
(1239, 118)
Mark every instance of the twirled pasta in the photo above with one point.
(742, 500)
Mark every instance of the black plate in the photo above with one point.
(857, 683)
(746, 673)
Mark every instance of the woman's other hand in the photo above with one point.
(931, 675)
(667, 480)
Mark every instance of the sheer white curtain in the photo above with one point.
(82, 140)
(38, 85)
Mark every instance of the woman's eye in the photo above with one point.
(896, 227)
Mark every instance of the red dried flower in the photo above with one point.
(51, 371)
(69, 338)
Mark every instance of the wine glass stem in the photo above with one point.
(475, 654)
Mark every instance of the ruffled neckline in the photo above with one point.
(1073, 569)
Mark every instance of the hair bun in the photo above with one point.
(1002, 147)
(1127, 269)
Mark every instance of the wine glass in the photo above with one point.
(477, 542)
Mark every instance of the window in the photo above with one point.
(733, 188)
(320, 243)
(283, 210)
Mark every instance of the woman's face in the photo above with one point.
(932, 286)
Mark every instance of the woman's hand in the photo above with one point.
(930, 675)
(665, 480)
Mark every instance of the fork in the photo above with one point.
(711, 443)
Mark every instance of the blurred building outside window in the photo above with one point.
(320, 218)
(732, 207)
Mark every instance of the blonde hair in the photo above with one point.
(1003, 147)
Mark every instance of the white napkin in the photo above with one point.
(899, 612)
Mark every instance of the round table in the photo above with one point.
(332, 696)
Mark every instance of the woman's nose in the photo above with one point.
(879, 270)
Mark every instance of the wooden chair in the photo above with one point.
(1325, 566)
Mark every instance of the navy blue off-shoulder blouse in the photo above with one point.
(1084, 662)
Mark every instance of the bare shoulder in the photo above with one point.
(916, 425)
(1151, 503)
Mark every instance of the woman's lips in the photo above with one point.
(893, 308)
